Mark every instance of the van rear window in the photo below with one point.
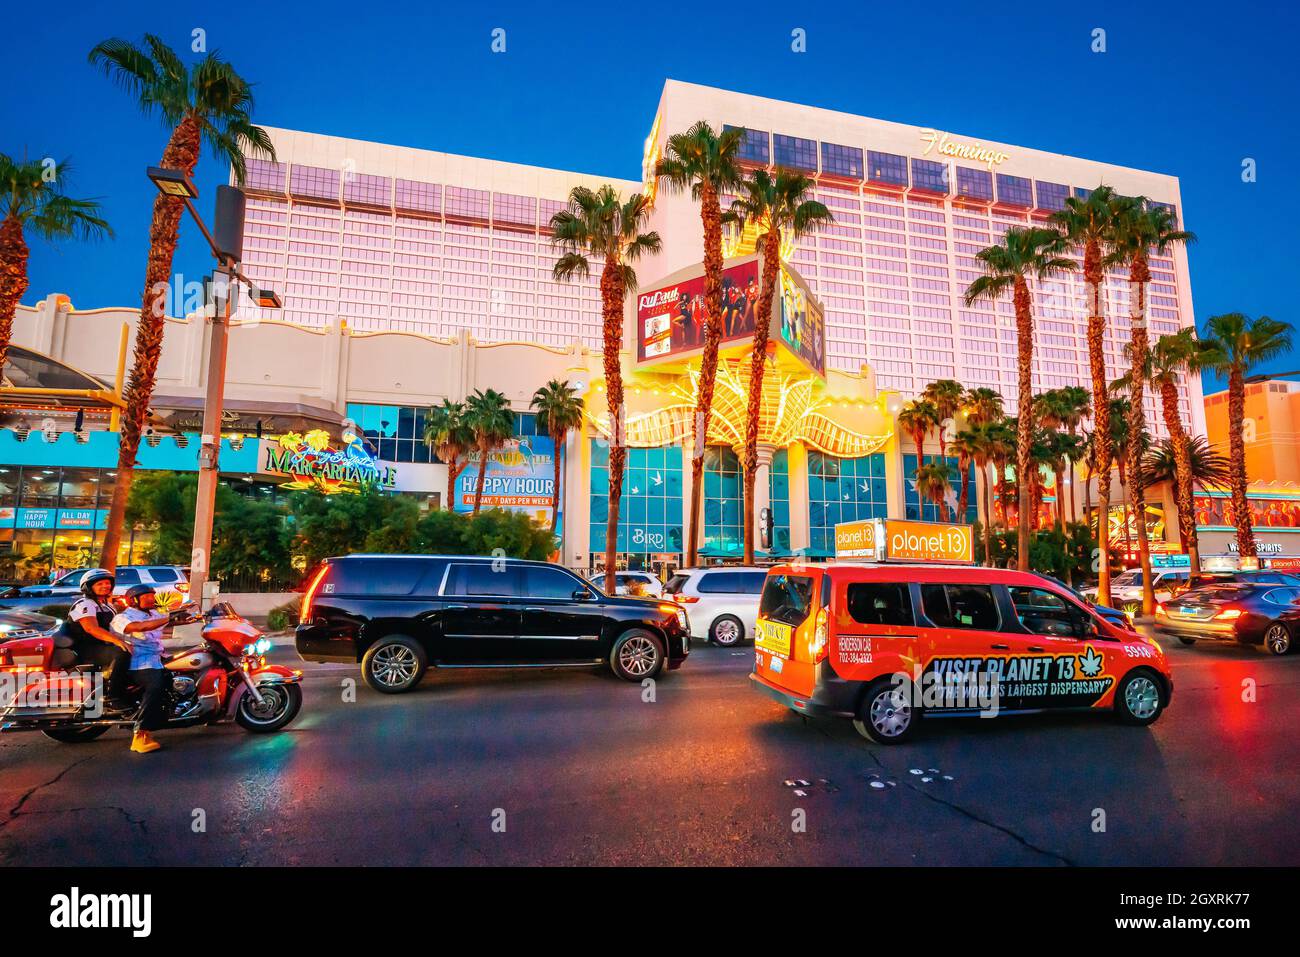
(880, 603)
(787, 598)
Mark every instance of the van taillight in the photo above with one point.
(304, 616)
(821, 638)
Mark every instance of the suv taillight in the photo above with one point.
(821, 637)
(304, 616)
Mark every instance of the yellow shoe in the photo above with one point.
(143, 743)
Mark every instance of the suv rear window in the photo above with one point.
(880, 603)
(386, 576)
(961, 606)
(787, 598)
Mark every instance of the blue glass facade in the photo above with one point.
(928, 511)
(843, 490)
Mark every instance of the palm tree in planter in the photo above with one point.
(599, 225)
(1022, 253)
(207, 103)
(933, 483)
(32, 199)
(778, 205)
(946, 395)
(918, 419)
(448, 434)
(1170, 358)
(488, 416)
(1089, 225)
(1234, 345)
(559, 411)
(705, 163)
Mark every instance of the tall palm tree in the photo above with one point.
(1171, 357)
(1234, 345)
(488, 416)
(918, 419)
(933, 483)
(598, 225)
(946, 395)
(706, 163)
(207, 103)
(1089, 224)
(1022, 253)
(1140, 229)
(559, 411)
(448, 434)
(778, 206)
(32, 198)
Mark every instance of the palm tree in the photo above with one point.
(32, 197)
(1234, 345)
(706, 163)
(1172, 356)
(559, 411)
(1207, 467)
(1139, 229)
(450, 437)
(778, 205)
(933, 483)
(207, 103)
(488, 416)
(918, 418)
(1007, 267)
(598, 225)
(1089, 224)
(946, 395)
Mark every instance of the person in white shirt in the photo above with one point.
(142, 625)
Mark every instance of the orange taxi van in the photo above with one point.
(885, 644)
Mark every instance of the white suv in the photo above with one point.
(722, 602)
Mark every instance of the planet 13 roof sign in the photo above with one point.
(313, 462)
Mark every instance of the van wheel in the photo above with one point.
(727, 630)
(394, 664)
(1138, 699)
(636, 655)
(887, 714)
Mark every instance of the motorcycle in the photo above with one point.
(224, 676)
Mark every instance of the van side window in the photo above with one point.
(961, 606)
(880, 603)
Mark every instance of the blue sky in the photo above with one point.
(1191, 90)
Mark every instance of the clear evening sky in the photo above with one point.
(1191, 89)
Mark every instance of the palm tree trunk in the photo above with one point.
(1237, 464)
(1139, 349)
(557, 439)
(757, 367)
(182, 153)
(13, 279)
(1093, 275)
(711, 218)
(1024, 421)
(482, 475)
(611, 297)
(1182, 474)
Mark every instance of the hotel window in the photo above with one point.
(754, 147)
(650, 513)
(927, 511)
(264, 175)
(1051, 195)
(842, 161)
(886, 168)
(930, 175)
(975, 183)
(368, 189)
(418, 197)
(315, 182)
(468, 203)
(1016, 190)
(795, 153)
(842, 490)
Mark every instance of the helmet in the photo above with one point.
(136, 592)
(92, 576)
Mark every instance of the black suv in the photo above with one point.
(399, 614)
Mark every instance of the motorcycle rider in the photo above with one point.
(143, 624)
(89, 625)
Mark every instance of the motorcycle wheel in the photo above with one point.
(75, 735)
(281, 705)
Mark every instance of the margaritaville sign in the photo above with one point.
(941, 144)
(312, 462)
(897, 540)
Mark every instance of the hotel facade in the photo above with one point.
(410, 276)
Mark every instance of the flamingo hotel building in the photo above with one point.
(409, 276)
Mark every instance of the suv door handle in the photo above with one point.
(1000, 647)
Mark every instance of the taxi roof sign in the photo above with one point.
(903, 540)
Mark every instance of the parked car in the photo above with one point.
(1249, 612)
(638, 584)
(399, 615)
(887, 644)
(161, 577)
(723, 601)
